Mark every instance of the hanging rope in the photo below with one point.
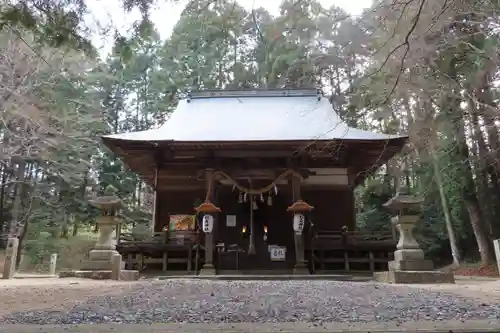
(250, 191)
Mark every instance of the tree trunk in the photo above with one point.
(75, 228)
(65, 226)
(81, 195)
(3, 215)
(17, 208)
(481, 167)
(455, 252)
(22, 236)
(139, 190)
(488, 109)
(455, 124)
(471, 202)
(21, 213)
(491, 158)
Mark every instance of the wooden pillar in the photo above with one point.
(251, 243)
(154, 218)
(208, 267)
(300, 264)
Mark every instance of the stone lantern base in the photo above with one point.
(99, 260)
(410, 260)
(410, 266)
(100, 257)
(408, 277)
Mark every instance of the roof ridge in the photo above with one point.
(236, 93)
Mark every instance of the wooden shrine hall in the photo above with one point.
(253, 181)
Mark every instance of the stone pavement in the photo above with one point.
(472, 326)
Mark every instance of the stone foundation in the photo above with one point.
(207, 270)
(407, 277)
(88, 265)
(98, 254)
(300, 270)
(411, 265)
(99, 259)
(128, 275)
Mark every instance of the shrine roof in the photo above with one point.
(253, 115)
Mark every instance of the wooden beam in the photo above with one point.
(181, 172)
(254, 153)
(361, 157)
(323, 186)
(197, 174)
(180, 188)
(191, 174)
(243, 163)
(180, 183)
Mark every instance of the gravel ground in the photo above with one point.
(471, 326)
(56, 294)
(197, 301)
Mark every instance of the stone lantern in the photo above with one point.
(299, 209)
(208, 211)
(208, 223)
(409, 264)
(107, 222)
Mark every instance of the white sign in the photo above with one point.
(230, 220)
(278, 253)
(180, 239)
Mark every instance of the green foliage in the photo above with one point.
(54, 23)
(110, 190)
(371, 216)
(432, 229)
(60, 23)
(71, 251)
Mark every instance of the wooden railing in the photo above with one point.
(160, 248)
(325, 249)
(170, 238)
(351, 248)
(341, 240)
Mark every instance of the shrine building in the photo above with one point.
(261, 180)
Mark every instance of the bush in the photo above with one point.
(71, 251)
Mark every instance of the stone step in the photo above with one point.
(241, 277)
(125, 275)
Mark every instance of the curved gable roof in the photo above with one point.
(273, 115)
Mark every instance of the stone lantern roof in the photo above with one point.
(109, 202)
(403, 202)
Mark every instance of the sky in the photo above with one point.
(106, 13)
